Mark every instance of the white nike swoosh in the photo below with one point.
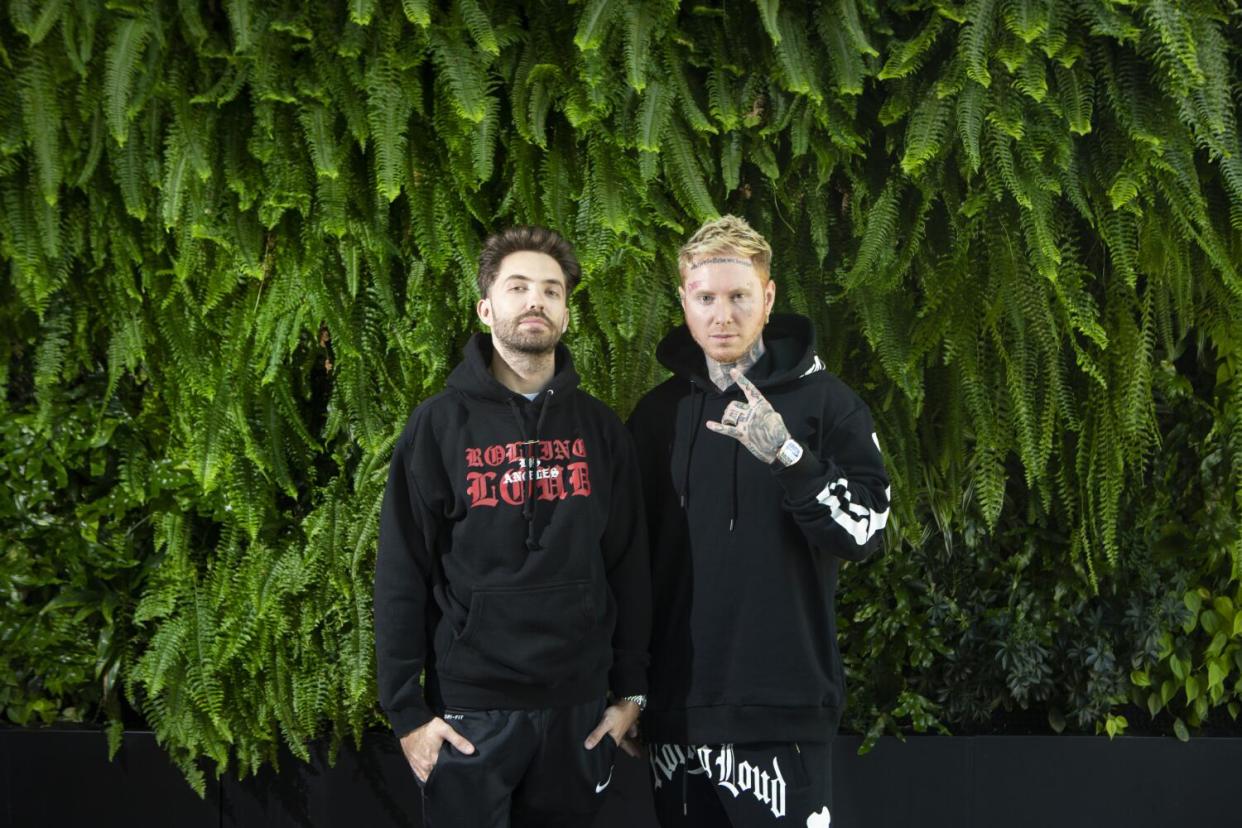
(600, 788)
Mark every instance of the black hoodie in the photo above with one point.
(744, 556)
(510, 590)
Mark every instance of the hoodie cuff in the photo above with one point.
(804, 479)
(409, 719)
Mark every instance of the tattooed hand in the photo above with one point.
(754, 423)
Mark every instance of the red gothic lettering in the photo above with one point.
(474, 458)
(479, 487)
(579, 448)
(552, 487)
(513, 489)
(513, 452)
(494, 455)
(579, 480)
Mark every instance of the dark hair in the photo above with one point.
(524, 237)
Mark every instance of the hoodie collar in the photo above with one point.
(473, 375)
(789, 339)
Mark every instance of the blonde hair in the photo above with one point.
(727, 234)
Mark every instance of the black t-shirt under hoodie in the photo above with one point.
(744, 556)
(511, 589)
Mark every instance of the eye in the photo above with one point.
(517, 286)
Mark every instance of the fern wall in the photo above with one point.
(238, 242)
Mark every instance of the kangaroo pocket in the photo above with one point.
(528, 635)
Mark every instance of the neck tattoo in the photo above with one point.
(718, 372)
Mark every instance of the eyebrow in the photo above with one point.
(525, 278)
(704, 289)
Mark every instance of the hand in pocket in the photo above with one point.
(422, 746)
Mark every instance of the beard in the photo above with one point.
(527, 341)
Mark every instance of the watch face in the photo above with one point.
(791, 452)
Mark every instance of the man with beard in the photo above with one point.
(512, 566)
(762, 471)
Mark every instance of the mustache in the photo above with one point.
(535, 316)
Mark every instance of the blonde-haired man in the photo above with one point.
(762, 471)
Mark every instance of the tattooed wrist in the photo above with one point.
(766, 434)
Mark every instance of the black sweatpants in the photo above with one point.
(759, 784)
(529, 768)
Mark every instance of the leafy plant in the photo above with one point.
(238, 242)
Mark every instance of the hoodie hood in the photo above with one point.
(473, 375)
(789, 343)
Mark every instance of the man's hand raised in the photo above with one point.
(754, 423)
(422, 746)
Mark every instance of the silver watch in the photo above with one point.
(639, 700)
(790, 452)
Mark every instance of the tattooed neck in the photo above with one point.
(718, 372)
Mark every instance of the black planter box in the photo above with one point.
(57, 777)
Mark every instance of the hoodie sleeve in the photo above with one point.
(402, 578)
(840, 499)
(629, 573)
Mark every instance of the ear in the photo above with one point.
(565, 324)
(681, 294)
(484, 310)
(769, 297)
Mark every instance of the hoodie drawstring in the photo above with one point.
(698, 400)
(693, 430)
(733, 480)
(528, 454)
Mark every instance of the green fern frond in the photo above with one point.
(317, 130)
(879, 233)
(542, 79)
(976, 39)
(851, 24)
(769, 13)
(36, 26)
(464, 72)
(689, 107)
(686, 176)
(42, 111)
(128, 43)
(247, 23)
(361, 11)
(1028, 19)
(417, 12)
(388, 113)
(479, 25)
(846, 62)
(925, 137)
(794, 56)
(639, 23)
(654, 114)
(593, 24)
(908, 56)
